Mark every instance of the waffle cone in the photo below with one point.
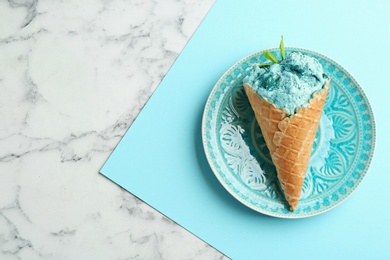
(289, 138)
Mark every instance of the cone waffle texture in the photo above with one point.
(289, 139)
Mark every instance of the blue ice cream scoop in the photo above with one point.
(290, 83)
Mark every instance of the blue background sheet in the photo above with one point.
(161, 158)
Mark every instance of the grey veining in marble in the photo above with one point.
(73, 77)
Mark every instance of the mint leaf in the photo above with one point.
(264, 65)
(281, 47)
(269, 56)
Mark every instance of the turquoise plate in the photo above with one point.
(239, 158)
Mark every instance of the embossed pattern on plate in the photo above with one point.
(239, 157)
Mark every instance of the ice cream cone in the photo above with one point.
(289, 138)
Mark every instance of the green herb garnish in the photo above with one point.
(281, 47)
(264, 65)
(269, 56)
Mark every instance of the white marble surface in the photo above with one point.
(73, 76)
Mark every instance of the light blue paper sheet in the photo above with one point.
(161, 158)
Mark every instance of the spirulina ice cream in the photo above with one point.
(289, 84)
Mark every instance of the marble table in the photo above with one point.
(73, 77)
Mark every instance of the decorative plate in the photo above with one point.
(239, 157)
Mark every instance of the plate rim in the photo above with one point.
(268, 213)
